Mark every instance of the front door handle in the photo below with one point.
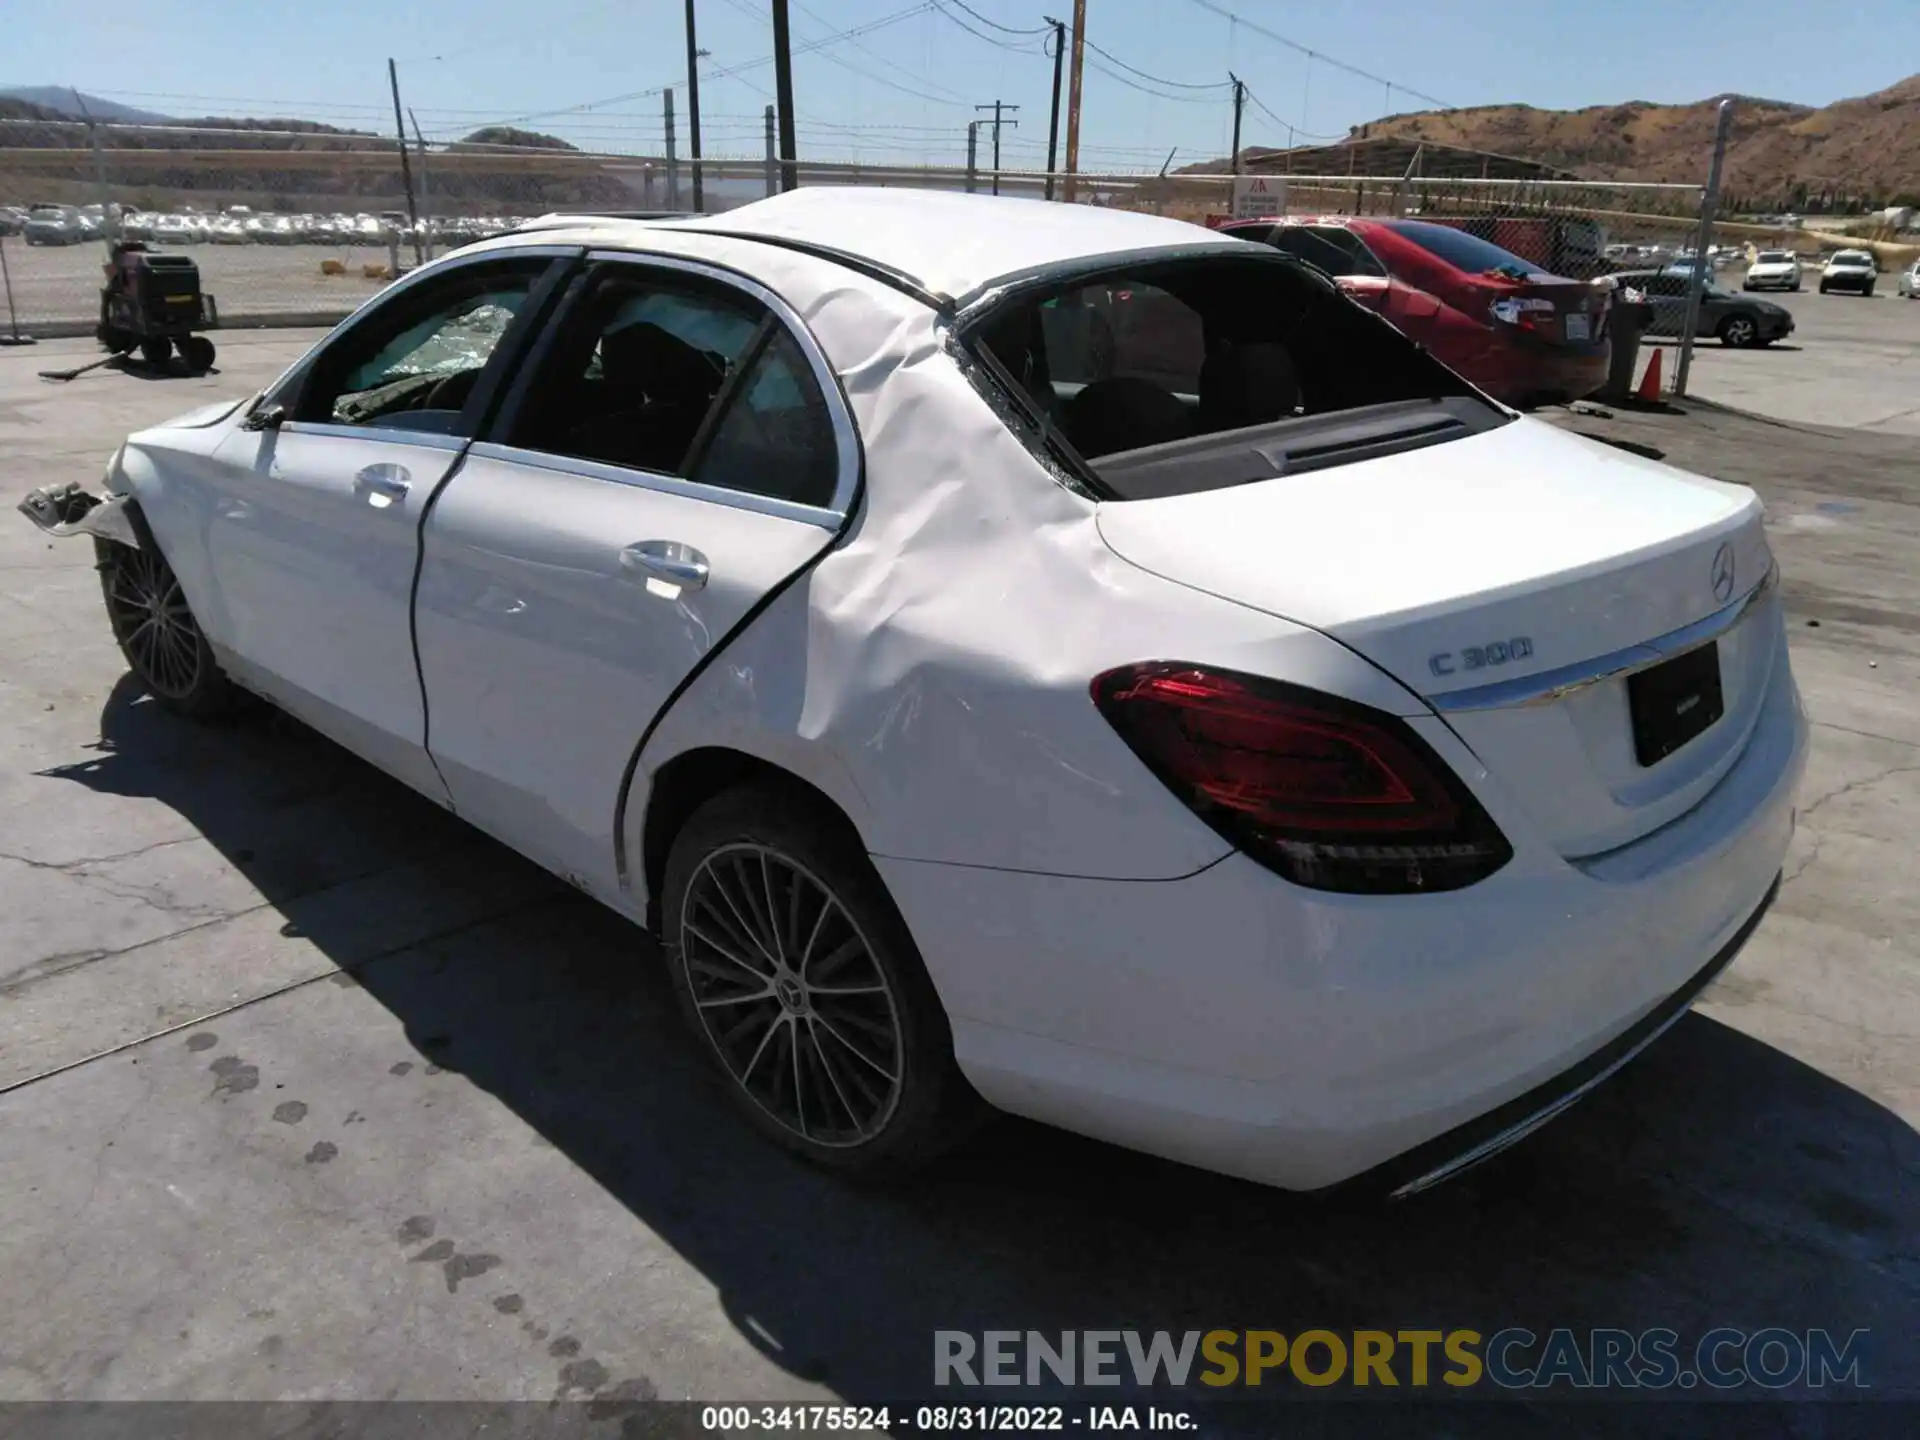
(383, 484)
(667, 560)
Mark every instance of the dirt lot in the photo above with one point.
(308, 1091)
(62, 282)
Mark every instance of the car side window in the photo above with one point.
(631, 379)
(411, 363)
(1357, 258)
(775, 437)
(1314, 247)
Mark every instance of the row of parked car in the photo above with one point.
(71, 224)
(54, 224)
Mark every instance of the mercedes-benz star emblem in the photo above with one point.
(1722, 574)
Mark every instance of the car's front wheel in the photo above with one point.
(804, 987)
(1738, 331)
(157, 633)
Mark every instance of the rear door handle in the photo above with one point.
(389, 482)
(669, 560)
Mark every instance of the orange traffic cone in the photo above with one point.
(1649, 391)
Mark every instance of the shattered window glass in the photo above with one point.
(415, 369)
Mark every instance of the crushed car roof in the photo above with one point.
(948, 243)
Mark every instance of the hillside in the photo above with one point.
(65, 105)
(371, 174)
(1866, 148)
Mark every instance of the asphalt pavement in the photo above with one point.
(309, 1091)
(1852, 361)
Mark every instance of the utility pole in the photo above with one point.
(773, 156)
(1697, 278)
(973, 138)
(997, 106)
(783, 95)
(109, 222)
(1073, 96)
(425, 228)
(406, 165)
(1053, 125)
(673, 165)
(1239, 104)
(693, 110)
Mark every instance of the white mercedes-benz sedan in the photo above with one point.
(1011, 653)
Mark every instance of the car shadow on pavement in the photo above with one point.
(1716, 1181)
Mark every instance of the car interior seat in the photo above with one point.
(1253, 383)
(1124, 413)
(654, 389)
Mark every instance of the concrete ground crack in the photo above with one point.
(1886, 773)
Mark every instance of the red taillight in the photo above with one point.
(1331, 794)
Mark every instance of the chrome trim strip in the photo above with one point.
(846, 442)
(425, 439)
(1551, 685)
(828, 520)
(1514, 1134)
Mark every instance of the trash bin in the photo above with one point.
(1628, 323)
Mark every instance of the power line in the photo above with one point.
(1009, 29)
(848, 65)
(957, 97)
(1132, 84)
(1287, 125)
(1173, 84)
(1321, 55)
(988, 39)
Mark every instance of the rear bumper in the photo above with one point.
(1520, 371)
(1234, 1022)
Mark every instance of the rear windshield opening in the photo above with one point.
(1189, 374)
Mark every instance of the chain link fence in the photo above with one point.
(292, 225)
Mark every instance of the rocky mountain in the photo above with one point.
(1863, 149)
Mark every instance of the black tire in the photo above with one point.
(156, 349)
(1739, 331)
(197, 353)
(157, 633)
(876, 1058)
(1823, 289)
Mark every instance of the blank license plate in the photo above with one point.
(1674, 701)
(1579, 327)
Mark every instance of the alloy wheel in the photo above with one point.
(791, 996)
(1738, 331)
(151, 619)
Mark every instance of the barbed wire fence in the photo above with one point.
(294, 225)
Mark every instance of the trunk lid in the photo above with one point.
(1553, 311)
(1482, 570)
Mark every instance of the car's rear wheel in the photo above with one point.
(1738, 331)
(803, 986)
(156, 631)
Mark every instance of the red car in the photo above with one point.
(1521, 335)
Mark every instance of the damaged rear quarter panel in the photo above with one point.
(931, 674)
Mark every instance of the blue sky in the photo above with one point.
(904, 86)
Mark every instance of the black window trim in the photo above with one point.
(997, 385)
(775, 311)
(480, 405)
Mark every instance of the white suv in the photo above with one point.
(1850, 270)
(1773, 270)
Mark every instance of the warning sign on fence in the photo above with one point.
(1257, 195)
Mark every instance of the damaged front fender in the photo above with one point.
(65, 510)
